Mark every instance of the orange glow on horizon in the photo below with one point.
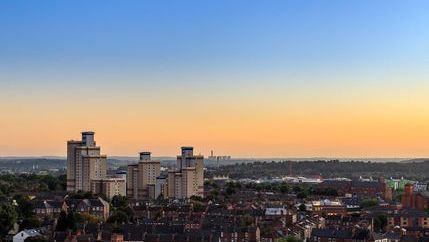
(271, 127)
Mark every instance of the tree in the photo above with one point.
(196, 198)
(54, 183)
(119, 201)
(368, 203)
(290, 238)
(71, 221)
(43, 187)
(118, 217)
(302, 207)
(87, 217)
(62, 222)
(25, 206)
(266, 230)
(302, 195)
(213, 195)
(247, 220)
(66, 222)
(62, 182)
(284, 188)
(129, 212)
(215, 185)
(8, 217)
(238, 185)
(199, 207)
(331, 192)
(259, 187)
(230, 190)
(297, 189)
(380, 222)
(30, 223)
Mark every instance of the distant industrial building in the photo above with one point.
(218, 157)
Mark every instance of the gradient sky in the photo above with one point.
(245, 78)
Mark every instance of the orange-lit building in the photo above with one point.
(327, 207)
(411, 199)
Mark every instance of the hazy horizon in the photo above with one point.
(131, 157)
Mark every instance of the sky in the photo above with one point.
(244, 78)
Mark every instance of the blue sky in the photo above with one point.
(220, 37)
(273, 52)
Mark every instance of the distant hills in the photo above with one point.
(418, 160)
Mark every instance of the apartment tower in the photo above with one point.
(141, 177)
(188, 178)
(84, 163)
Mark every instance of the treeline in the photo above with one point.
(18, 208)
(19, 211)
(12, 183)
(353, 169)
(27, 164)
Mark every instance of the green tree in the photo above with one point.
(119, 201)
(25, 206)
(30, 223)
(290, 238)
(380, 222)
(214, 192)
(87, 217)
(196, 198)
(297, 189)
(302, 195)
(238, 185)
(118, 217)
(230, 191)
(71, 221)
(62, 182)
(199, 207)
(62, 222)
(8, 217)
(247, 220)
(367, 203)
(43, 187)
(284, 188)
(66, 222)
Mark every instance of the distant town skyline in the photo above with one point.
(242, 78)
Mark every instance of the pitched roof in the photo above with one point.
(332, 233)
